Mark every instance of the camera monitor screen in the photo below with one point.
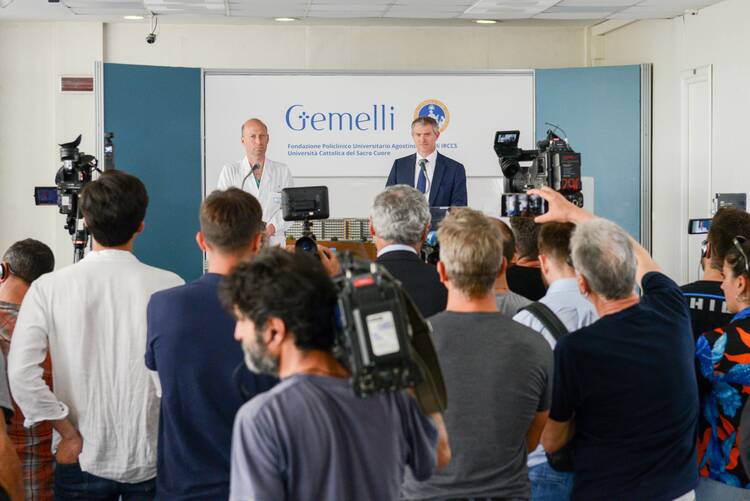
(507, 137)
(699, 226)
(307, 202)
(45, 195)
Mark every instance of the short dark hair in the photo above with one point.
(114, 207)
(29, 259)
(509, 241)
(527, 233)
(727, 223)
(554, 241)
(230, 219)
(293, 287)
(737, 261)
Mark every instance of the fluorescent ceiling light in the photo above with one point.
(485, 21)
(133, 18)
(285, 19)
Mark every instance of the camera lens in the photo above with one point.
(306, 244)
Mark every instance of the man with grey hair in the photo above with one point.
(441, 179)
(498, 373)
(625, 389)
(399, 222)
(24, 262)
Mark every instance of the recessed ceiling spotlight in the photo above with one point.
(133, 18)
(485, 21)
(285, 19)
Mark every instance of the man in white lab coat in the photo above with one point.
(261, 177)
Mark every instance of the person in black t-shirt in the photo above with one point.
(708, 310)
(525, 277)
(624, 389)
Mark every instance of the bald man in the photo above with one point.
(261, 177)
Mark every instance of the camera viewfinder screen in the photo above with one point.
(45, 195)
(699, 226)
(507, 138)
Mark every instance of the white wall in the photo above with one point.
(35, 116)
(717, 36)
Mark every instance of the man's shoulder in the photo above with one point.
(703, 287)
(279, 401)
(180, 294)
(448, 161)
(406, 159)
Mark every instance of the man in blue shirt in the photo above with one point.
(625, 389)
(190, 344)
(311, 437)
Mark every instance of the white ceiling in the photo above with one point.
(445, 10)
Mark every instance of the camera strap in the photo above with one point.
(547, 317)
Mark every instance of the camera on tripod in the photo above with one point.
(382, 338)
(76, 172)
(554, 163)
(305, 204)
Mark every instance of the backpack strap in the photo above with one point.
(547, 317)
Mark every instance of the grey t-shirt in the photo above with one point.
(498, 374)
(510, 303)
(310, 437)
(6, 406)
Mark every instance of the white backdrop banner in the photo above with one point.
(324, 125)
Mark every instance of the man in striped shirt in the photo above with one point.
(23, 263)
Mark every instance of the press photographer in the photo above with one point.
(334, 444)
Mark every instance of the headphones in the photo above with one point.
(704, 249)
(5, 270)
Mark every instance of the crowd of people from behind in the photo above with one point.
(574, 368)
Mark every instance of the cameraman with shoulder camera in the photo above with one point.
(310, 436)
(91, 318)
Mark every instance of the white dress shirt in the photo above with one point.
(564, 298)
(276, 176)
(91, 316)
(429, 167)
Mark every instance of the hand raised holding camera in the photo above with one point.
(560, 209)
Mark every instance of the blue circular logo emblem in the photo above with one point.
(434, 109)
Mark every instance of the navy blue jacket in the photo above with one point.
(448, 183)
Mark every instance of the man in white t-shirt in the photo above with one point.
(261, 177)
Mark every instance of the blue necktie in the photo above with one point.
(422, 181)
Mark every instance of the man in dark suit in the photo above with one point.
(440, 178)
(399, 221)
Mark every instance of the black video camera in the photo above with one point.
(305, 204)
(382, 338)
(76, 172)
(553, 164)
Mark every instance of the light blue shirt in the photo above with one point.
(570, 306)
(574, 310)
